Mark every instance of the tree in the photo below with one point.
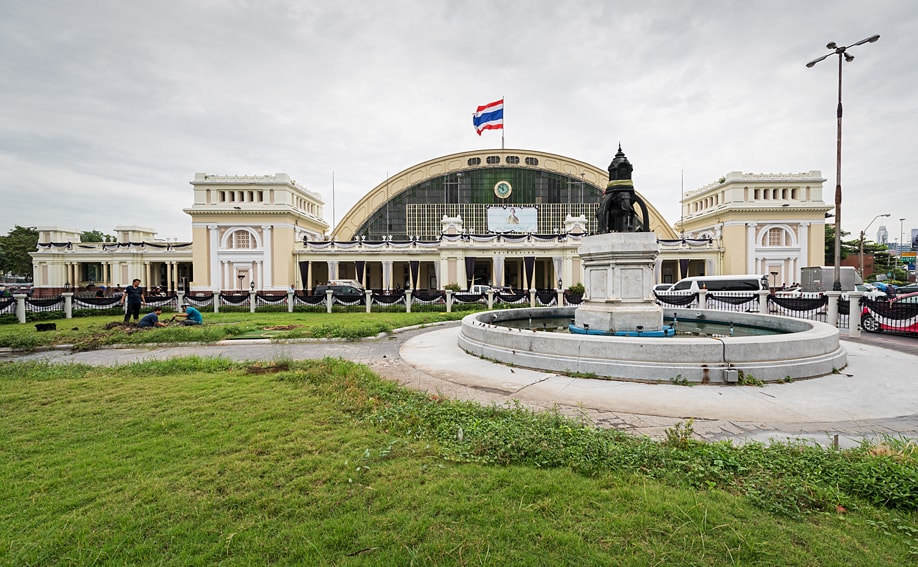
(15, 248)
(96, 236)
(847, 247)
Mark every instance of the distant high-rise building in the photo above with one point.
(882, 236)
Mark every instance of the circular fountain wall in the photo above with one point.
(805, 349)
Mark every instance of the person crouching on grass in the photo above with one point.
(190, 315)
(151, 319)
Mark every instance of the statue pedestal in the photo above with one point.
(618, 270)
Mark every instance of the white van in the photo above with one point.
(694, 284)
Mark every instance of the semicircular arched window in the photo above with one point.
(242, 240)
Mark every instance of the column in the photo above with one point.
(146, 271)
(213, 234)
(763, 301)
(20, 306)
(750, 248)
(803, 239)
(832, 311)
(68, 304)
(267, 277)
(854, 313)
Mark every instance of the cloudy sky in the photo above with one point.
(107, 109)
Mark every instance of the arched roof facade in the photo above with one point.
(412, 202)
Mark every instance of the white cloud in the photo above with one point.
(109, 108)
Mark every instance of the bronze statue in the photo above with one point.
(617, 210)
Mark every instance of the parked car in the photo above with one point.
(338, 290)
(871, 291)
(896, 315)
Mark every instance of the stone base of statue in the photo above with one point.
(618, 277)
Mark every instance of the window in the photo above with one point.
(532, 161)
(242, 239)
(513, 160)
(474, 161)
(492, 160)
(776, 237)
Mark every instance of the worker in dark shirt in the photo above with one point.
(151, 319)
(133, 297)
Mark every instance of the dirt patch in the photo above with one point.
(282, 327)
(268, 368)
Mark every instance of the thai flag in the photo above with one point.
(489, 117)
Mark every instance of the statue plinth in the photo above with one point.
(618, 278)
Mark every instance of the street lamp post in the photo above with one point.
(841, 51)
(860, 253)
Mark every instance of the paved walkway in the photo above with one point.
(874, 396)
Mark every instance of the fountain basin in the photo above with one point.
(807, 349)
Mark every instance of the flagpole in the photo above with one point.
(504, 127)
(333, 200)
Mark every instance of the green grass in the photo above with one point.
(198, 461)
(90, 333)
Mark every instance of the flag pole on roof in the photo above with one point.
(490, 117)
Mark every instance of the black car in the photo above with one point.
(338, 290)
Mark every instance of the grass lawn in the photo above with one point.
(91, 332)
(206, 461)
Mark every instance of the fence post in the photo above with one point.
(449, 301)
(832, 314)
(68, 304)
(560, 297)
(289, 301)
(532, 302)
(252, 301)
(369, 293)
(180, 297)
(407, 301)
(216, 301)
(854, 313)
(702, 299)
(20, 306)
(490, 294)
(329, 300)
(763, 301)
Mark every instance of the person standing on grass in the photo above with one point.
(133, 297)
(151, 319)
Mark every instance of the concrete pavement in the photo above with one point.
(874, 395)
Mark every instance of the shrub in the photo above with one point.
(577, 289)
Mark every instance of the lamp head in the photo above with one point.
(831, 45)
(849, 58)
(873, 38)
